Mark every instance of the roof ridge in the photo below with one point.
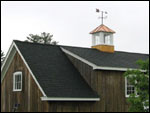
(49, 44)
(132, 52)
(34, 43)
(76, 47)
(110, 53)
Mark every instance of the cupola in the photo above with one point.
(102, 39)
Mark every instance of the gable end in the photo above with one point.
(9, 57)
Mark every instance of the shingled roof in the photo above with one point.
(117, 59)
(55, 73)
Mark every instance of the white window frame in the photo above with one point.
(97, 40)
(14, 81)
(107, 39)
(128, 95)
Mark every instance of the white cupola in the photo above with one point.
(102, 38)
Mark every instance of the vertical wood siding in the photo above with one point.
(110, 85)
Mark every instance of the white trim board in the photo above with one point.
(68, 99)
(5, 64)
(7, 61)
(94, 66)
(78, 57)
(7, 55)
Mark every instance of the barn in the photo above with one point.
(55, 78)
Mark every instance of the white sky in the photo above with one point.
(71, 22)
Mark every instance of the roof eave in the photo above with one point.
(68, 99)
(101, 31)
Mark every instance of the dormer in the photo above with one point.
(102, 39)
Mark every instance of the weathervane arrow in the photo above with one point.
(102, 14)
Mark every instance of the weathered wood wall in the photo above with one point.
(28, 98)
(108, 84)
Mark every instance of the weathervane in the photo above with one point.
(102, 14)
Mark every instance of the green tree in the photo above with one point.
(140, 79)
(44, 38)
(2, 57)
(33, 38)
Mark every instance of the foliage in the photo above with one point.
(140, 79)
(44, 38)
(2, 57)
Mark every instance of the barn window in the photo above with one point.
(130, 89)
(17, 81)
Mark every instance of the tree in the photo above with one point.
(33, 38)
(44, 38)
(140, 79)
(2, 57)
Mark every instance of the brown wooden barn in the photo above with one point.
(54, 78)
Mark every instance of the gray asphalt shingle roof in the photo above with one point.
(55, 73)
(117, 59)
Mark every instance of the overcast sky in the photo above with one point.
(71, 22)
